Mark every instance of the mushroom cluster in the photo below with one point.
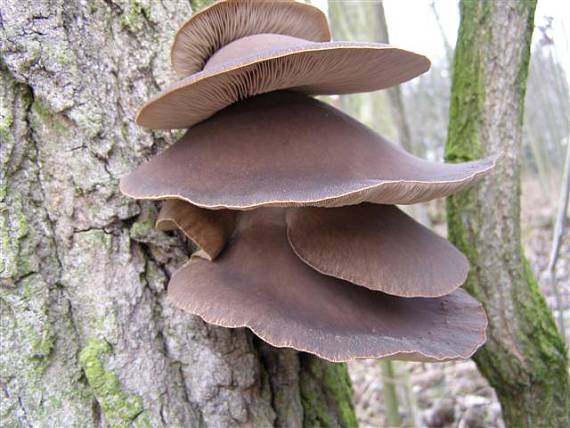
(291, 204)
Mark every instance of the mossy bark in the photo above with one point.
(524, 359)
(326, 392)
(88, 339)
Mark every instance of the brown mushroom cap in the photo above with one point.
(208, 230)
(223, 22)
(378, 247)
(285, 149)
(259, 283)
(264, 63)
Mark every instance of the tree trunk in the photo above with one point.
(87, 337)
(358, 21)
(525, 358)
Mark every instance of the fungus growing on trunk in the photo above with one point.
(378, 247)
(285, 149)
(309, 67)
(290, 202)
(258, 282)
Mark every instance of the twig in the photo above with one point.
(557, 241)
(390, 394)
(446, 44)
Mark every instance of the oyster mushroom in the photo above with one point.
(378, 247)
(291, 202)
(233, 73)
(285, 149)
(258, 282)
(237, 49)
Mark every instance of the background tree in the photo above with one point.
(525, 358)
(87, 336)
(384, 111)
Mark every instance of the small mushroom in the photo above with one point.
(208, 230)
(259, 283)
(223, 22)
(378, 247)
(286, 149)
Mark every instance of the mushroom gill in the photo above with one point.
(223, 22)
(264, 63)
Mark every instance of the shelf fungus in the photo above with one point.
(291, 204)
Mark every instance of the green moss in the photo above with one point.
(42, 347)
(143, 420)
(7, 258)
(3, 191)
(120, 409)
(96, 237)
(468, 94)
(37, 337)
(142, 229)
(528, 369)
(22, 225)
(135, 15)
(326, 394)
(14, 228)
(48, 118)
(6, 120)
(63, 57)
(56, 403)
(522, 77)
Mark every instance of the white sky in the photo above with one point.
(412, 25)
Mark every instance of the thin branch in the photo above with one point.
(557, 241)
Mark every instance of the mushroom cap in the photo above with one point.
(285, 149)
(378, 247)
(264, 63)
(223, 22)
(208, 230)
(259, 283)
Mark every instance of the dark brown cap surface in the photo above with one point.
(258, 282)
(285, 149)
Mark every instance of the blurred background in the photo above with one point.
(415, 115)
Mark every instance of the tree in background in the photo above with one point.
(525, 359)
(385, 112)
(547, 111)
(359, 20)
(87, 336)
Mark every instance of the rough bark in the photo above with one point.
(87, 337)
(524, 359)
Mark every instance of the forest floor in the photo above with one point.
(454, 394)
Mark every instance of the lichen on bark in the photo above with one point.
(525, 359)
(119, 408)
